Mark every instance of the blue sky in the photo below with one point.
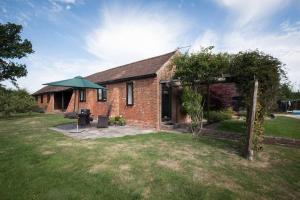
(81, 37)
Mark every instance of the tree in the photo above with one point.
(201, 68)
(15, 101)
(287, 92)
(193, 104)
(12, 47)
(268, 70)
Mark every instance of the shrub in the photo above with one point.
(121, 121)
(218, 116)
(111, 121)
(192, 103)
(38, 109)
(117, 120)
(15, 101)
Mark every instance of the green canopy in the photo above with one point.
(76, 82)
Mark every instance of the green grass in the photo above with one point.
(280, 126)
(38, 163)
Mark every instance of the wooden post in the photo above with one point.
(250, 122)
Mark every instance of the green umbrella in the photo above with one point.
(76, 83)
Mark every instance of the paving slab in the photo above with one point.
(92, 132)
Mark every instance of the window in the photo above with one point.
(42, 98)
(129, 96)
(102, 94)
(48, 97)
(81, 95)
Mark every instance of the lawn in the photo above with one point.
(38, 163)
(280, 126)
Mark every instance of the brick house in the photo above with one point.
(143, 92)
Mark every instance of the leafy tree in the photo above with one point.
(268, 70)
(15, 101)
(201, 68)
(287, 92)
(12, 47)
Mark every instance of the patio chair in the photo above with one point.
(103, 119)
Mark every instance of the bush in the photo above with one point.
(218, 116)
(15, 101)
(121, 121)
(111, 121)
(38, 109)
(117, 120)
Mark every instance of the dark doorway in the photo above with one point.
(166, 100)
(62, 99)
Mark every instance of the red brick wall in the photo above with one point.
(166, 73)
(143, 112)
(146, 110)
(47, 106)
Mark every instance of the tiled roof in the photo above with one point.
(142, 68)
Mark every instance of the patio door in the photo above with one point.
(166, 102)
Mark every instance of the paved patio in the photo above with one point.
(92, 132)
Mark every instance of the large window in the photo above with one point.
(129, 92)
(101, 94)
(42, 98)
(82, 95)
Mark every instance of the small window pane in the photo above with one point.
(101, 94)
(129, 94)
(82, 95)
(100, 97)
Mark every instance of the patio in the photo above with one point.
(92, 132)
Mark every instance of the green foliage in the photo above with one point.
(117, 120)
(193, 105)
(12, 47)
(218, 116)
(268, 70)
(195, 70)
(15, 101)
(258, 129)
(37, 109)
(201, 67)
(111, 121)
(287, 93)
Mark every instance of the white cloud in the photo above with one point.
(126, 34)
(284, 45)
(59, 5)
(122, 36)
(208, 38)
(247, 11)
(66, 1)
(47, 69)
